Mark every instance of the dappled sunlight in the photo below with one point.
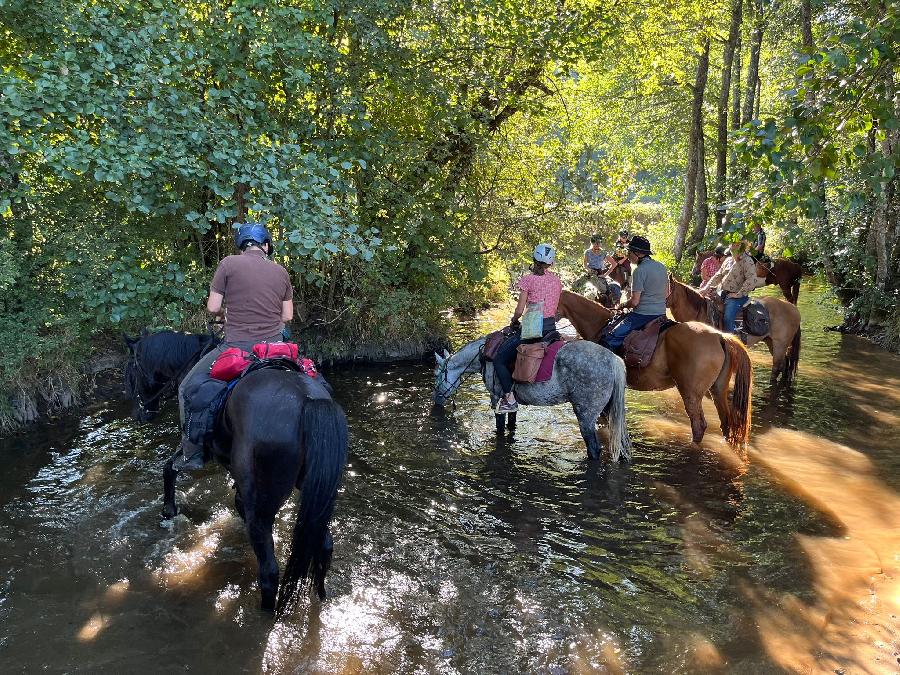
(853, 621)
(92, 628)
(678, 431)
(186, 567)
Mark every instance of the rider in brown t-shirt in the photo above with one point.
(255, 296)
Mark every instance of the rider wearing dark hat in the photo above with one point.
(649, 285)
(254, 294)
(619, 255)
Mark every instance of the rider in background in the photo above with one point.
(539, 286)
(649, 286)
(759, 243)
(619, 255)
(735, 279)
(595, 262)
(255, 294)
(712, 264)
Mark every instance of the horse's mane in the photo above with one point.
(692, 296)
(586, 303)
(170, 351)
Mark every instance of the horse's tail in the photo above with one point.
(740, 408)
(324, 437)
(619, 441)
(793, 358)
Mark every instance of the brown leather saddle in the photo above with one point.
(640, 345)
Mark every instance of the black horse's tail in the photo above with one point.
(324, 435)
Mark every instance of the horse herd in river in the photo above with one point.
(273, 435)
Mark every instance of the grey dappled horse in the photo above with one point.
(585, 374)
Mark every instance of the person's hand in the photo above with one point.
(514, 323)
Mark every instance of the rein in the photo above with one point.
(171, 385)
(461, 377)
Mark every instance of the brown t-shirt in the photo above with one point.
(254, 288)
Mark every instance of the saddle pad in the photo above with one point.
(546, 369)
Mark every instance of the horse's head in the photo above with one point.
(140, 385)
(450, 370)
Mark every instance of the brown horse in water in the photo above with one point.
(783, 339)
(694, 357)
(786, 273)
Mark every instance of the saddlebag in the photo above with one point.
(234, 361)
(756, 318)
(528, 361)
(494, 341)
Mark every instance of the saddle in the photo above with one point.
(205, 397)
(640, 345)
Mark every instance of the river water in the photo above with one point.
(457, 554)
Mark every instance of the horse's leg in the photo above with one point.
(170, 473)
(785, 287)
(239, 504)
(777, 350)
(587, 423)
(511, 422)
(693, 406)
(259, 519)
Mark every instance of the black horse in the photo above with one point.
(279, 430)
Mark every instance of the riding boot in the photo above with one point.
(189, 456)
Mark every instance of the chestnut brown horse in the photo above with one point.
(697, 359)
(783, 339)
(786, 273)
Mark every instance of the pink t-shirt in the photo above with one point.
(709, 267)
(546, 287)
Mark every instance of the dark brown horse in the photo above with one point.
(783, 339)
(786, 273)
(697, 359)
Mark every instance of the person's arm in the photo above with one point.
(287, 310)
(214, 304)
(587, 267)
(633, 300)
(715, 279)
(520, 308)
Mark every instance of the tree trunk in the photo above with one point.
(694, 145)
(702, 215)
(806, 24)
(722, 120)
(880, 224)
(736, 83)
(756, 37)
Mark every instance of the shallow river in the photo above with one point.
(456, 554)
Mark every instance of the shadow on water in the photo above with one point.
(456, 553)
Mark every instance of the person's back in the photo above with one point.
(651, 279)
(254, 289)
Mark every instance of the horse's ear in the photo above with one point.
(129, 341)
(438, 358)
(446, 354)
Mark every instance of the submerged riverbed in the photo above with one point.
(454, 553)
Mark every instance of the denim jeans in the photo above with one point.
(732, 309)
(614, 339)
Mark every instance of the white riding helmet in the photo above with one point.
(544, 253)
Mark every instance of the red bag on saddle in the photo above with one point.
(230, 364)
(278, 350)
(234, 361)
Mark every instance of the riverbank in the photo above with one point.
(54, 383)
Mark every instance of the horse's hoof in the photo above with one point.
(168, 514)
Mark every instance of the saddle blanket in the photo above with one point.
(545, 371)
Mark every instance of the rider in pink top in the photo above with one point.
(539, 286)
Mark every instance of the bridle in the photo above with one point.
(444, 368)
(171, 386)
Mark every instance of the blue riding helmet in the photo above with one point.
(252, 232)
